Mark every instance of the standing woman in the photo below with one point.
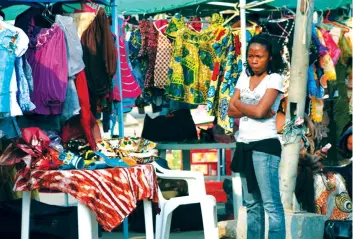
(258, 153)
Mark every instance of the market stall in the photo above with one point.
(56, 81)
(189, 56)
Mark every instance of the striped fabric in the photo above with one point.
(110, 193)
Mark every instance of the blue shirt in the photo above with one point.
(7, 62)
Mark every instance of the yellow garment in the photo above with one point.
(83, 21)
(317, 109)
(349, 33)
(225, 77)
(346, 49)
(326, 64)
(192, 62)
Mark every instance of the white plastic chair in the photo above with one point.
(197, 194)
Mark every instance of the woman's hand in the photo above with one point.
(232, 110)
(269, 114)
(320, 154)
(265, 115)
(262, 110)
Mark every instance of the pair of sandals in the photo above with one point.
(73, 161)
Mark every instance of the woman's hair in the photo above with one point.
(276, 64)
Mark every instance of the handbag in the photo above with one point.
(338, 229)
(177, 126)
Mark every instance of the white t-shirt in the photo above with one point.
(251, 130)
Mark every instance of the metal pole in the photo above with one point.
(296, 97)
(243, 30)
(115, 30)
(236, 179)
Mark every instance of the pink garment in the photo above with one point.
(47, 57)
(85, 8)
(130, 87)
(334, 50)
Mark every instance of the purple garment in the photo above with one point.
(47, 56)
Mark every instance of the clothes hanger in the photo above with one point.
(288, 10)
(46, 14)
(234, 12)
(276, 20)
(327, 21)
(253, 24)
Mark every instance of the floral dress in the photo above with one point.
(192, 63)
(224, 79)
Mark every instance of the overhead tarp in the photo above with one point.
(13, 8)
(154, 6)
(4, 2)
(318, 4)
(130, 7)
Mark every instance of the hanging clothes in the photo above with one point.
(149, 37)
(24, 84)
(73, 44)
(130, 87)
(82, 20)
(191, 64)
(282, 30)
(86, 117)
(8, 41)
(326, 62)
(47, 56)
(224, 79)
(99, 55)
(139, 64)
(286, 72)
(71, 105)
(164, 52)
(21, 48)
(332, 47)
(22, 81)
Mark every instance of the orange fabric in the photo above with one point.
(331, 197)
(111, 193)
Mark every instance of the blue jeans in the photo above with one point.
(265, 197)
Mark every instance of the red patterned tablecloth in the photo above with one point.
(111, 193)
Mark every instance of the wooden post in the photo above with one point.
(296, 97)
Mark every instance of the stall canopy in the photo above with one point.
(13, 8)
(154, 6)
(130, 7)
(319, 5)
